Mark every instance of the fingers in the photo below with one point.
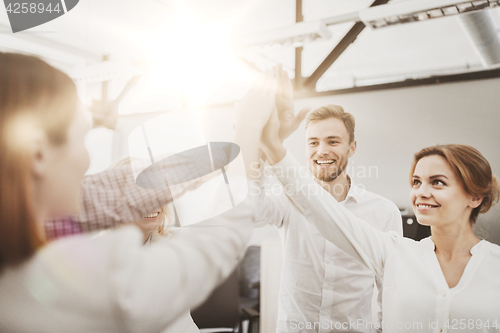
(270, 84)
(264, 85)
(258, 104)
(302, 114)
(287, 86)
(299, 118)
(279, 78)
(271, 128)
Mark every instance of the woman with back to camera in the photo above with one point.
(449, 282)
(111, 283)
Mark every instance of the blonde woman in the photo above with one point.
(153, 224)
(156, 228)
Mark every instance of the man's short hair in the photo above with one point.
(333, 111)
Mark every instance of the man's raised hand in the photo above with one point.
(257, 105)
(289, 122)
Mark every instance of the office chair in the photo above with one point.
(220, 312)
(235, 300)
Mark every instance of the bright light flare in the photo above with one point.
(191, 58)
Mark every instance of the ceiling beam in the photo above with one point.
(297, 81)
(39, 45)
(349, 38)
(431, 80)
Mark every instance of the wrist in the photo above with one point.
(275, 152)
(247, 128)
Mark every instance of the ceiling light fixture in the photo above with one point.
(420, 10)
(295, 35)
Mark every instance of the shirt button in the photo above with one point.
(444, 294)
(441, 330)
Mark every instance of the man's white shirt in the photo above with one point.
(322, 289)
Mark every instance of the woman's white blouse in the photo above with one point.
(416, 296)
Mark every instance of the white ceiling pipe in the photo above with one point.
(482, 31)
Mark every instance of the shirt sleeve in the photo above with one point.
(151, 286)
(394, 221)
(335, 222)
(111, 198)
(273, 205)
(395, 224)
(380, 287)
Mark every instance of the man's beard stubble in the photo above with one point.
(329, 177)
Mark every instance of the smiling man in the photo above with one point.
(330, 144)
(323, 289)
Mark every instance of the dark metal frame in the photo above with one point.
(306, 87)
(438, 79)
(297, 81)
(337, 51)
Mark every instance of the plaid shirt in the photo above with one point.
(111, 198)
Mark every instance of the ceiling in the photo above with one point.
(185, 49)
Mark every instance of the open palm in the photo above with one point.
(289, 122)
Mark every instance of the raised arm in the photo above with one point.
(112, 198)
(335, 222)
(150, 287)
(395, 224)
(272, 203)
(200, 261)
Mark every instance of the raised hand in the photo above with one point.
(252, 114)
(257, 105)
(284, 103)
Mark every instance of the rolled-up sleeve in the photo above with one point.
(272, 203)
(112, 197)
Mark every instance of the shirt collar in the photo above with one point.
(354, 192)
(429, 245)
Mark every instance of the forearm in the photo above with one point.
(335, 223)
(112, 197)
(173, 276)
(247, 136)
(274, 150)
(272, 204)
